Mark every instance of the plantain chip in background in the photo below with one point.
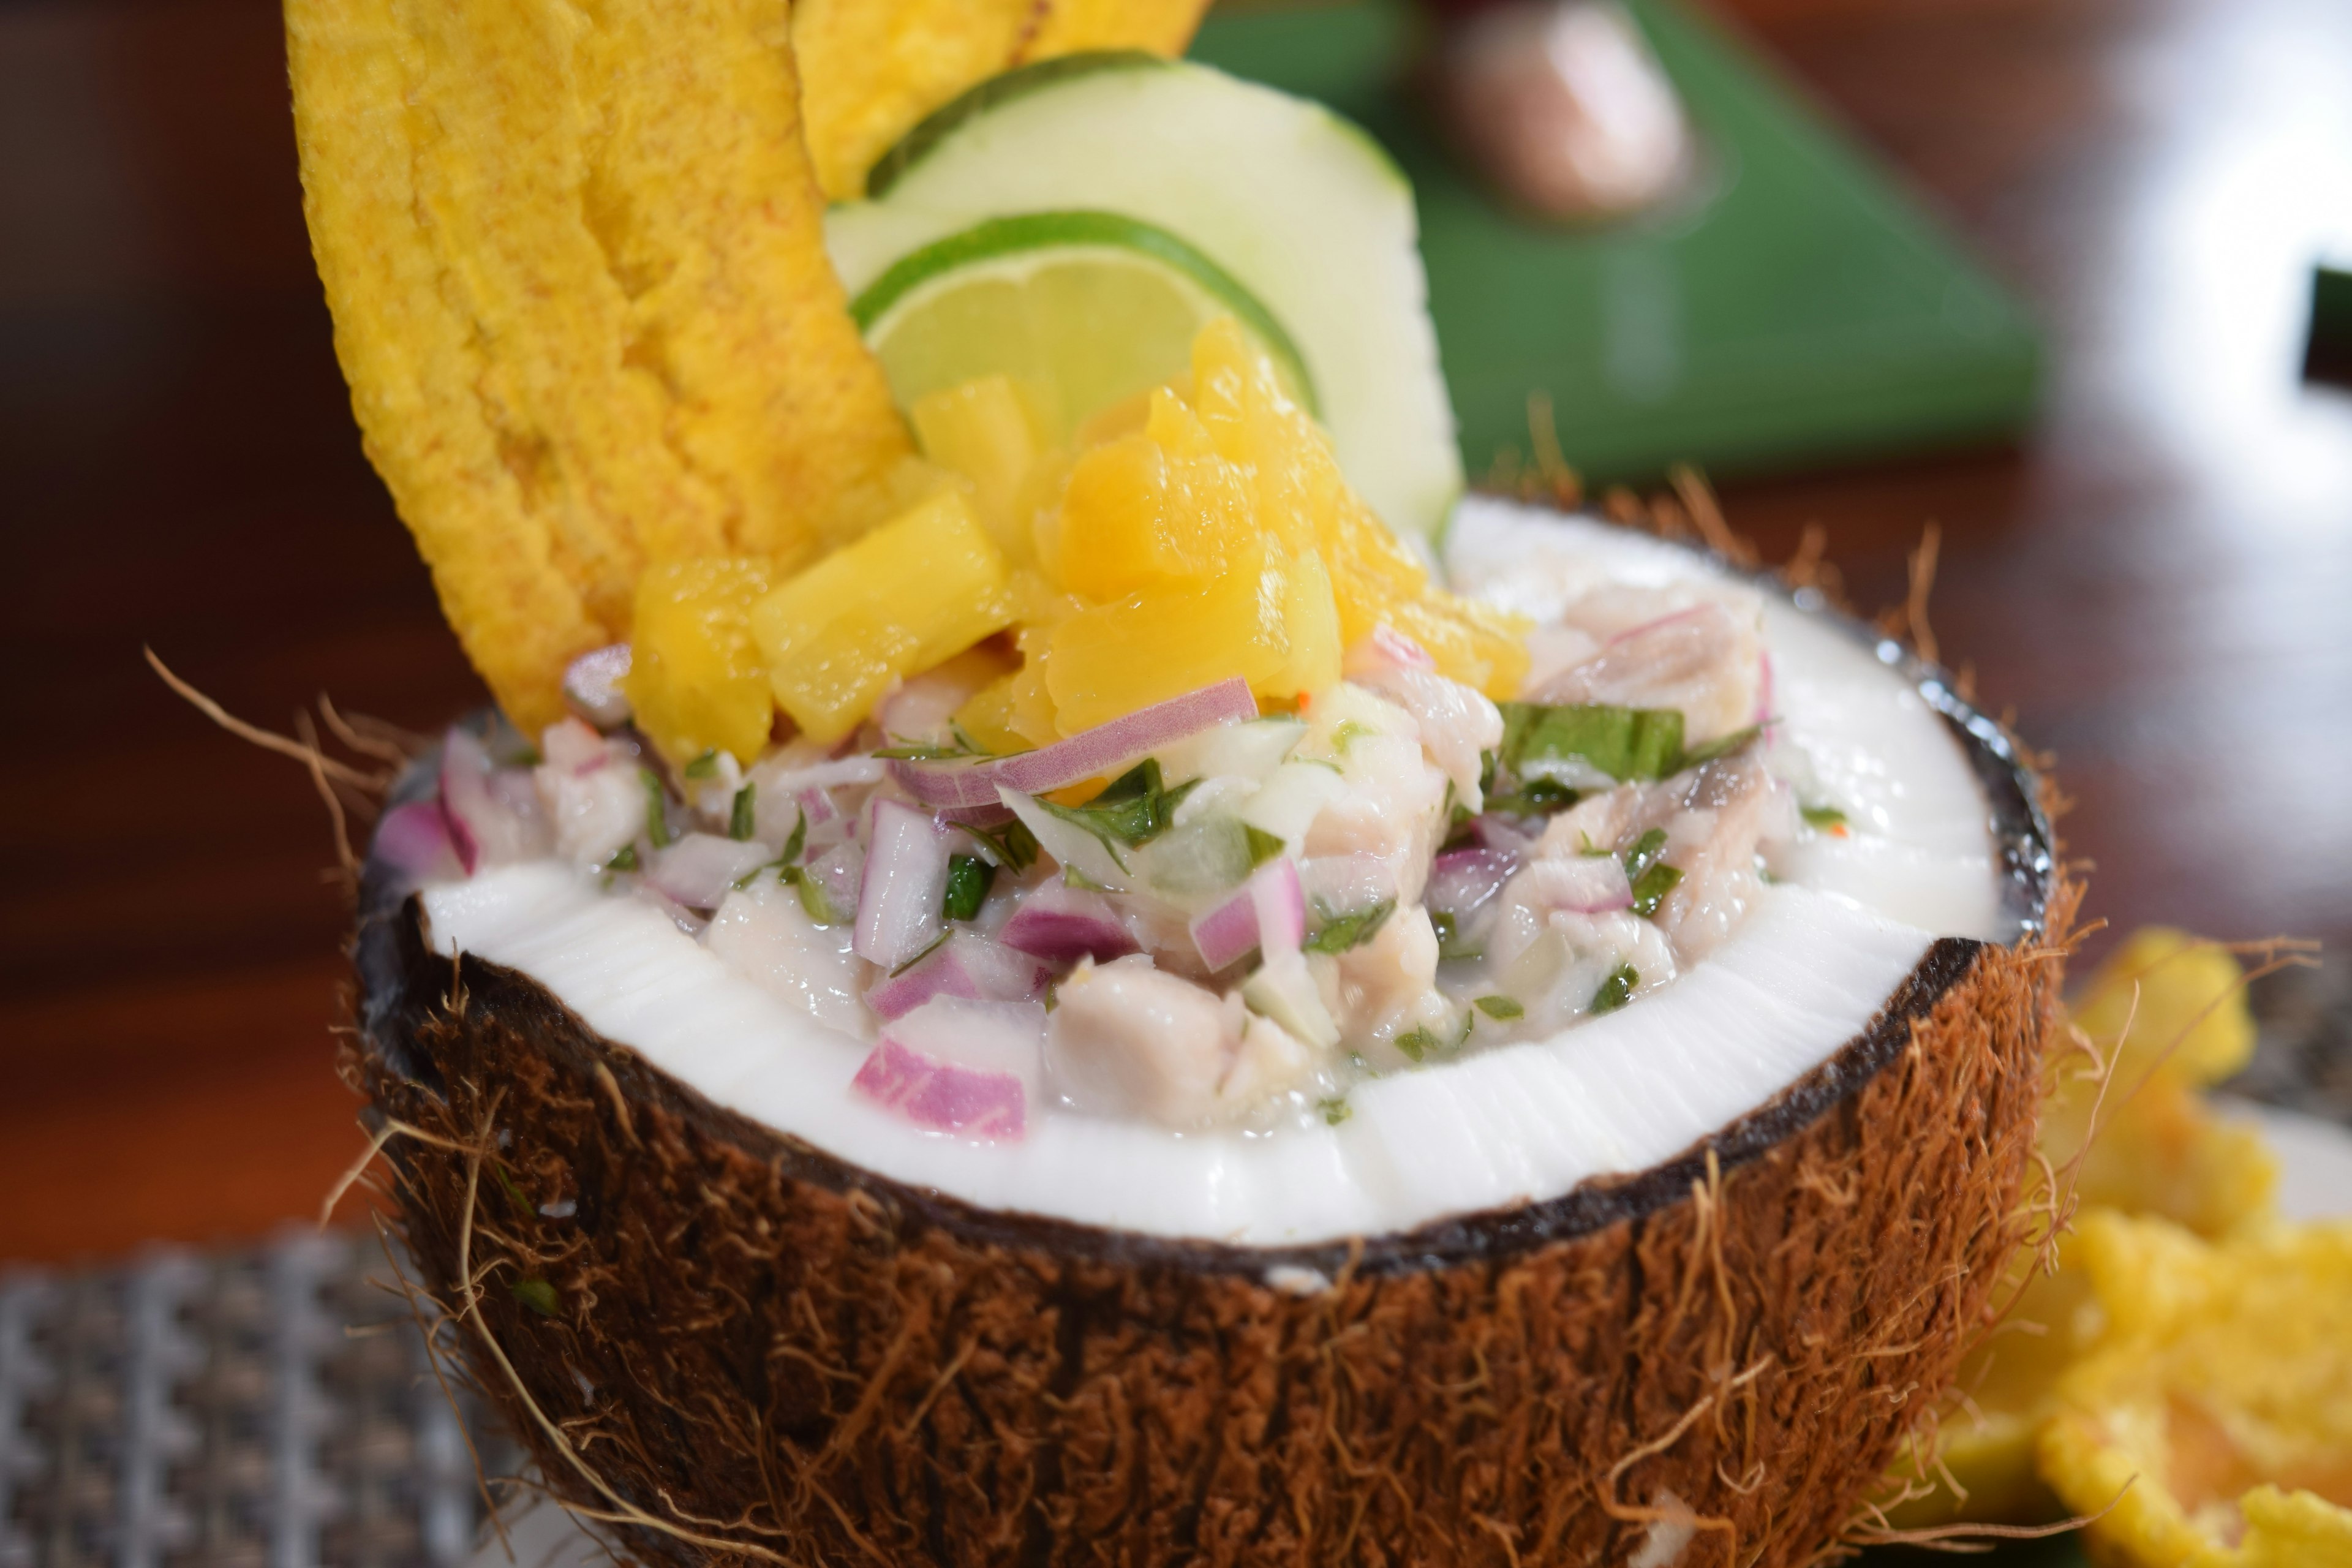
(2216, 1412)
(580, 291)
(871, 68)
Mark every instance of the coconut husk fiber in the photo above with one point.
(732, 1346)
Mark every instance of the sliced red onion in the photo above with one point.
(1269, 913)
(964, 965)
(1462, 880)
(956, 1064)
(415, 839)
(591, 686)
(905, 878)
(1104, 750)
(1062, 925)
(701, 868)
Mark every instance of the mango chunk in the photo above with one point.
(987, 432)
(1162, 642)
(695, 678)
(915, 591)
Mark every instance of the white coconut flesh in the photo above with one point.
(1814, 959)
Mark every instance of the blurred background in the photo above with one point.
(2041, 272)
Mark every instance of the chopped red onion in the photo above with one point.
(1241, 925)
(1062, 925)
(905, 878)
(700, 868)
(956, 1065)
(1104, 750)
(415, 839)
(591, 686)
(964, 965)
(1462, 880)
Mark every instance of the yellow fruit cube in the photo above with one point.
(986, 431)
(1162, 642)
(918, 590)
(695, 681)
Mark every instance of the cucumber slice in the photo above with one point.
(1297, 205)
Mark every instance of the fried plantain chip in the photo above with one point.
(2218, 1403)
(580, 292)
(871, 68)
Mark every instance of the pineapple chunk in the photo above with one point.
(1137, 512)
(915, 591)
(986, 431)
(695, 678)
(1163, 641)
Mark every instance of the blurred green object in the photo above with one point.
(1795, 306)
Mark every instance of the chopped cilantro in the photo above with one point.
(968, 879)
(1486, 772)
(1537, 797)
(705, 767)
(1617, 990)
(1827, 818)
(623, 860)
(816, 899)
(536, 1294)
(1721, 746)
(1013, 844)
(1133, 808)
(1335, 1110)
(1501, 1008)
(1350, 732)
(1417, 1043)
(1626, 744)
(1651, 888)
(1644, 853)
(1451, 941)
(1262, 846)
(741, 818)
(1338, 933)
(794, 844)
(657, 809)
(929, 948)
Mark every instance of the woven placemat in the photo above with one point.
(266, 1407)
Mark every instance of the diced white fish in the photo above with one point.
(765, 933)
(1126, 1039)
(591, 792)
(1703, 660)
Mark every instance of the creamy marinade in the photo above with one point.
(1330, 988)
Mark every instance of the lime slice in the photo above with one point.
(1296, 209)
(1083, 310)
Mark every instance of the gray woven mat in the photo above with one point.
(269, 1408)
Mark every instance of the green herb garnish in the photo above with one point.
(1335, 1110)
(623, 860)
(1339, 933)
(1015, 845)
(929, 948)
(1644, 853)
(536, 1294)
(705, 767)
(1537, 797)
(1350, 732)
(1617, 990)
(1501, 1008)
(741, 818)
(1451, 941)
(1262, 846)
(1649, 889)
(794, 844)
(657, 809)
(1417, 1042)
(1828, 817)
(968, 879)
(507, 1184)
(816, 900)
(1626, 744)
(1721, 746)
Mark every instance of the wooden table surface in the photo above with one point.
(2158, 582)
